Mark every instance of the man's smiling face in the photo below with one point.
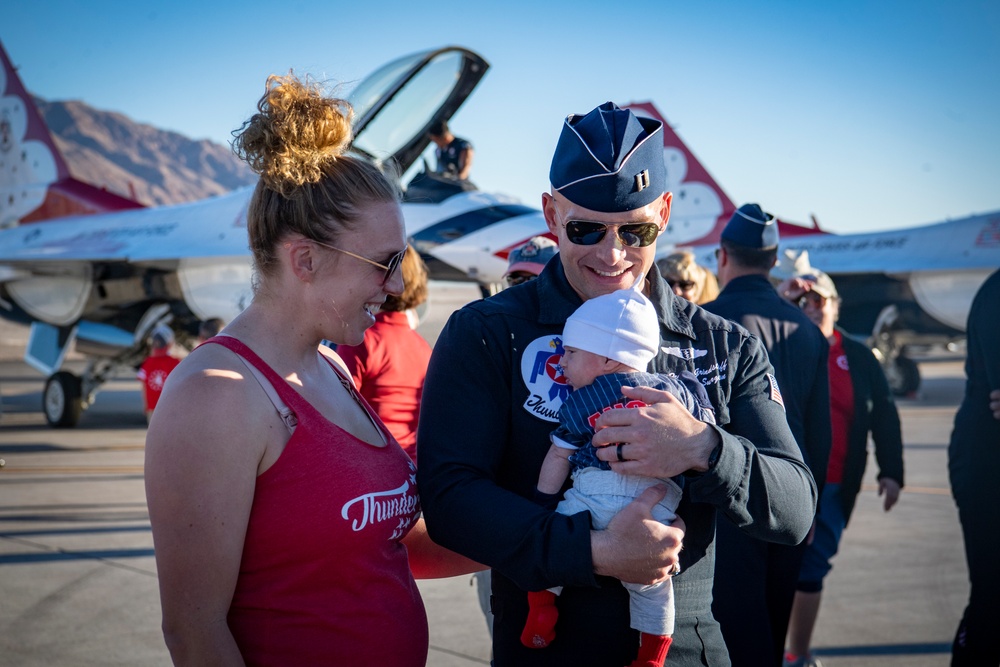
(608, 265)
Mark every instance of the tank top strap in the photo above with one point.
(287, 394)
(370, 412)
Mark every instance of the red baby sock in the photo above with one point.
(540, 627)
(652, 650)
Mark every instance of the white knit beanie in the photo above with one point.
(622, 326)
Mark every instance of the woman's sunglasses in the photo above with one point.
(684, 285)
(389, 268)
(634, 235)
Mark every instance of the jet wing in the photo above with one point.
(208, 228)
(966, 244)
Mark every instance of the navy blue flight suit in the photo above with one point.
(492, 397)
(755, 580)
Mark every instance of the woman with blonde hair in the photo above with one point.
(687, 278)
(282, 508)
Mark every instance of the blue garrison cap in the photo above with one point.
(751, 227)
(609, 160)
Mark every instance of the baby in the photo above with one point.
(608, 342)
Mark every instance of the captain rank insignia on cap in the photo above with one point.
(642, 180)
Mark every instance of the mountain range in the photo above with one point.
(139, 161)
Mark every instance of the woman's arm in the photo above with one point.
(203, 449)
(429, 560)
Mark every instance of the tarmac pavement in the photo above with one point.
(78, 580)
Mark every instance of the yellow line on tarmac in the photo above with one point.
(106, 448)
(71, 470)
(926, 490)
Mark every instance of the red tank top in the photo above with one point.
(324, 578)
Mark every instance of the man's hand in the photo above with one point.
(995, 403)
(635, 547)
(793, 288)
(890, 488)
(661, 440)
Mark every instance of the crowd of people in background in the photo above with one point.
(340, 436)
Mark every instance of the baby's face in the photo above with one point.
(580, 368)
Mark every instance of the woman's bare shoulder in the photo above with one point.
(211, 397)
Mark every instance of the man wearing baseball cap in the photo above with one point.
(493, 395)
(525, 262)
(754, 578)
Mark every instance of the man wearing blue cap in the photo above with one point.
(754, 579)
(493, 394)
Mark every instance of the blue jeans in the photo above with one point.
(830, 524)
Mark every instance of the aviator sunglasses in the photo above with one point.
(633, 235)
(389, 268)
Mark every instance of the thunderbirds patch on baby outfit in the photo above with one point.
(542, 375)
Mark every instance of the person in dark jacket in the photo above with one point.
(861, 403)
(974, 467)
(755, 579)
(493, 395)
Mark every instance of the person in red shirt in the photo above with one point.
(860, 403)
(157, 366)
(389, 366)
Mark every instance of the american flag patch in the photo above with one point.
(775, 392)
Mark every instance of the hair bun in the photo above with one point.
(296, 132)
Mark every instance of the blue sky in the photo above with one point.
(870, 115)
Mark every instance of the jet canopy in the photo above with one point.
(396, 105)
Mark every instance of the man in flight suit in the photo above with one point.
(754, 579)
(492, 397)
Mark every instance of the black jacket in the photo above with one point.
(874, 412)
(974, 451)
(797, 350)
(488, 407)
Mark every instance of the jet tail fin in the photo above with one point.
(35, 180)
(701, 208)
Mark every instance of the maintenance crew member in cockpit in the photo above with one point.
(454, 154)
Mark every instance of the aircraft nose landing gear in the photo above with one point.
(901, 372)
(62, 400)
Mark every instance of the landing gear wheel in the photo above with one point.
(62, 400)
(903, 376)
